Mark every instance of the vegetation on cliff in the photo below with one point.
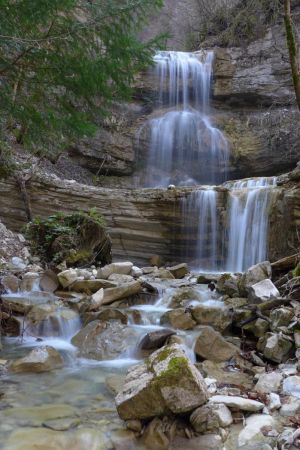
(62, 63)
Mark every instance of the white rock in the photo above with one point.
(67, 277)
(223, 414)
(136, 272)
(262, 291)
(110, 295)
(119, 279)
(291, 386)
(251, 433)
(244, 404)
(269, 382)
(274, 402)
(291, 408)
(122, 268)
(18, 263)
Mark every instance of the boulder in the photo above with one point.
(91, 286)
(262, 291)
(50, 320)
(179, 271)
(281, 317)
(215, 315)
(112, 314)
(104, 340)
(10, 283)
(182, 296)
(228, 284)
(253, 275)
(110, 295)
(211, 417)
(155, 339)
(178, 318)
(22, 303)
(163, 274)
(136, 272)
(49, 281)
(122, 268)
(275, 346)
(232, 401)
(269, 382)
(40, 359)
(67, 277)
(120, 279)
(253, 431)
(291, 386)
(211, 345)
(168, 383)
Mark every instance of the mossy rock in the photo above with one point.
(78, 239)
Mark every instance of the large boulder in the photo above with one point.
(269, 382)
(91, 286)
(182, 296)
(275, 346)
(104, 340)
(211, 417)
(155, 339)
(211, 345)
(253, 275)
(67, 277)
(179, 271)
(40, 359)
(262, 291)
(110, 295)
(167, 384)
(179, 318)
(215, 315)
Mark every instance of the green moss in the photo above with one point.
(296, 271)
(164, 354)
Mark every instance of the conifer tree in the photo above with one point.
(62, 62)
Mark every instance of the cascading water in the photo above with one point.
(247, 225)
(203, 229)
(184, 147)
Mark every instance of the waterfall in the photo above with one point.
(201, 224)
(248, 222)
(185, 148)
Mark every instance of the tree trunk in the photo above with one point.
(293, 48)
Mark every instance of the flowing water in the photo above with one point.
(185, 148)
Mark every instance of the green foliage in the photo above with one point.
(59, 237)
(63, 62)
(296, 271)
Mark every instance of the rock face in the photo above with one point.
(211, 345)
(41, 359)
(169, 383)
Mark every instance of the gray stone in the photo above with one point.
(110, 295)
(215, 315)
(168, 383)
(29, 281)
(262, 291)
(10, 283)
(120, 279)
(91, 286)
(104, 340)
(255, 274)
(178, 318)
(49, 281)
(211, 345)
(281, 317)
(252, 431)
(122, 268)
(241, 403)
(40, 359)
(269, 382)
(275, 346)
(67, 277)
(210, 417)
(291, 386)
(179, 271)
(155, 339)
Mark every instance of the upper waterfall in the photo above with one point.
(185, 148)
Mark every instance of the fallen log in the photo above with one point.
(287, 263)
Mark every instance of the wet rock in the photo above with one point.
(29, 281)
(214, 315)
(110, 295)
(115, 382)
(182, 296)
(252, 433)
(10, 326)
(178, 318)
(179, 271)
(211, 345)
(49, 281)
(210, 417)
(163, 274)
(228, 284)
(253, 275)
(50, 320)
(262, 291)
(91, 286)
(112, 314)
(10, 283)
(120, 279)
(61, 424)
(23, 302)
(67, 277)
(241, 403)
(121, 268)
(40, 359)
(155, 339)
(169, 383)
(291, 386)
(104, 340)
(206, 278)
(275, 346)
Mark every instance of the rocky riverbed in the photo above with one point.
(154, 357)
